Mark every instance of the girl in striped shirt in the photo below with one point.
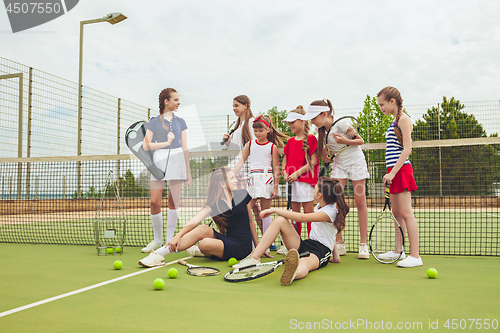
(400, 172)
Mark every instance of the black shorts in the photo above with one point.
(322, 252)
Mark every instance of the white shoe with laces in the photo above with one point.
(194, 251)
(152, 260)
(410, 262)
(363, 251)
(248, 261)
(151, 247)
(341, 249)
(391, 255)
(282, 250)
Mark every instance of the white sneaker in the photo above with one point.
(194, 251)
(363, 251)
(410, 262)
(248, 261)
(291, 266)
(391, 255)
(282, 250)
(341, 248)
(151, 247)
(152, 260)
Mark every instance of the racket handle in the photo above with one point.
(182, 262)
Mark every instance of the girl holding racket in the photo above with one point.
(327, 220)
(400, 172)
(349, 164)
(166, 135)
(300, 164)
(262, 153)
(228, 207)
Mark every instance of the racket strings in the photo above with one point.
(246, 273)
(385, 237)
(203, 271)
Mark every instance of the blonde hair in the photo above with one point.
(305, 144)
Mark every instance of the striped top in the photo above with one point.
(393, 148)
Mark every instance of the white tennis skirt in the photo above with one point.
(301, 192)
(261, 184)
(172, 162)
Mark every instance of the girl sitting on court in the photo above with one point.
(349, 164)
(228, 207)
(328, 219)
(300, 164)
(400, 173)
(262, 152)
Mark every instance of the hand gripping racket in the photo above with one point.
(230, 133)
(253, 272)
(199, 270)
(386, 235)
(134, 137)
(347, 126)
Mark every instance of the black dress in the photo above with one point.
(238, 238)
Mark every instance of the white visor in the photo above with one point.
(291, 117)
(313, 111)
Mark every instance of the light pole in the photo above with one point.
(112, 18)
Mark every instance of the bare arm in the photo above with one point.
(244, 156)
(148, 145)
(297, 217)
(276, 172)
(173, 244)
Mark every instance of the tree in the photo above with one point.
(277, 117)
(456, 170)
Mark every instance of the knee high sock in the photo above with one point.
(171, 223)
(163, 250)
(157, 221)
(266, 221)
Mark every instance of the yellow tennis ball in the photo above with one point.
(109, 250)
(118, 249)
(117, 264)
(432, 273)
(232, 261)
(158, 284)
(172, 273)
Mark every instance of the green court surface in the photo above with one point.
(353, 295)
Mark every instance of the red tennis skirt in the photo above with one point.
(403, 180)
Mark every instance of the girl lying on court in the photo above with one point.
(228, 208)
(328, 219)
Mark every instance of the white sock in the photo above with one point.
(157, 221)
(163, 251)
(266, 221)
(171, 223)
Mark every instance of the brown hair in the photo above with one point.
(274, 135)
(245, 133)
(322, 131)
(215, 192)
(387, 94)
(305, 144)
(165, 94)
(333, 192)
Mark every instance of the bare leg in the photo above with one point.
(360, 199)
(296, 208)
(403, 203)
(156, 191)
(306, 265)
(308, 208)
(256, 212)
(209, 243)
(338, 238)
(288, 234)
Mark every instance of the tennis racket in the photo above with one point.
(253, 272)
(347, 126)
(386, 235)
(230, 133)
(134, 137)
(199, 270)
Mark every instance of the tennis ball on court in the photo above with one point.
(117, 264)
(232, 261)
(109, 250)
(158, 284)
(172, 273)
(432, 273)
(118, 249)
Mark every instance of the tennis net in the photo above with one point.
(45, 200)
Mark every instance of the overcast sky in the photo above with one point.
(279, 53)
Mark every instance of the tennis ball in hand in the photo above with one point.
(109, 250)
(232, 261)
(118, 249)
(432, 273)
(172, 273)
(117, 264)
(158, 284)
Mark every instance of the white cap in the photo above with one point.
(291, 117)
(314, 110)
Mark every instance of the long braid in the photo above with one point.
(389, 93)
